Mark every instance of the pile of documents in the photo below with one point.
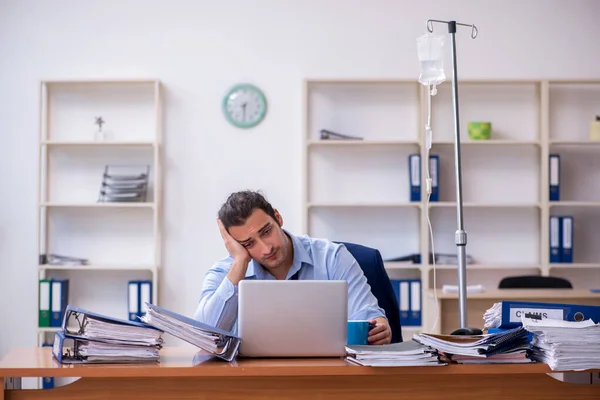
(565, 345)
(404, 354)
(511, 344)
(210, 339)
(88, 337)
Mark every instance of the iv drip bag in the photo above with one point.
(431, 56)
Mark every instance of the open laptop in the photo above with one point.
(292, 318)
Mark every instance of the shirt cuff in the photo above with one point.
(226, 289)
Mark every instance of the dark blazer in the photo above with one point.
(371, 263)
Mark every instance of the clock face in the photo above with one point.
(245, 106)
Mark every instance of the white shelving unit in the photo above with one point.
(122, 241)
(358, 191)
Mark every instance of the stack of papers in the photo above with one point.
(213, 340)
(565, 345)
(493, 316)
(88, 337)
(403, 354)
(478, 346)
(97, 329)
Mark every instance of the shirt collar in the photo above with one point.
(301, 256)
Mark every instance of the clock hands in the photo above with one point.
(244, 111)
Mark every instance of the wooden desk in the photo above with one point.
(184, 373)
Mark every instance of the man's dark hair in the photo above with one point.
(238, 207)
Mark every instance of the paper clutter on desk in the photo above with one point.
(565, 345)
(511, 343)
(404, 354)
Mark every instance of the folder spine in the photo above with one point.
(402, 291)
(145, 296)
(415, 302)
(554, 177)
(414, 168)
(555, 239)
(60, 300)
(567, 239)
(434, 170)
(133, 300)
(45, 297)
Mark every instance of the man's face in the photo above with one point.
(263, 237)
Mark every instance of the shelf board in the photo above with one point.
(484, 205)
(98, 205)
(363, 142)
(415, 204)
(396, 265)
(485, 266)
(490, 142)
(48, 329)
(574, 265)
(523, 294)
(115, 267)
(574, 204)
(575, 143)
(71, 143)
(101, 81)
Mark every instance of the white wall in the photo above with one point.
(198, 49)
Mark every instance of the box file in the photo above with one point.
(415, 302)
(434, 170)
(555, 239)
(507, 314)
(60, 300)
(139, 293)
(414, 169)
(47, 381)
(567, 240)
(554, 177)
(133, 300)
(45, 294)
(409, 296)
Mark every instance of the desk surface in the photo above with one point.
(176, 362)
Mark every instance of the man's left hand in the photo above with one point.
(382, 333)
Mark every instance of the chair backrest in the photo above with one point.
(371, 263)
(534, 282)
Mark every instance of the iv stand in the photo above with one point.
(460, 236)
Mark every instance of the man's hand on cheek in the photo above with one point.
(381, 333)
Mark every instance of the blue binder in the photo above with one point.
(555, 239)
(67, 350)
(74, 322)
(134, 306)
(554, 177)
(402, 290)
(47, 381)
(415, 302)
(567, 239)
(59, 302)
(512, 312)
(414, 171)
(434, 170)
(144, 296)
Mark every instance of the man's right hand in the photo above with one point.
(240, 255)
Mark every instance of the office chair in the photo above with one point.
(534, 282)
(371, 263)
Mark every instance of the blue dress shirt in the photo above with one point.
(314, 259)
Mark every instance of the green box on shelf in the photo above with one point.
(479, 130)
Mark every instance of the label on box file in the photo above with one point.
(567, 227)
(517, 313)
(433, 171)
(554, 240)
(554, 171)
(415, 169)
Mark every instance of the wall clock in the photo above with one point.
(245, 105)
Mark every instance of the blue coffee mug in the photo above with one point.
(358, 332)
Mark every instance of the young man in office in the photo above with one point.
(259, 247)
